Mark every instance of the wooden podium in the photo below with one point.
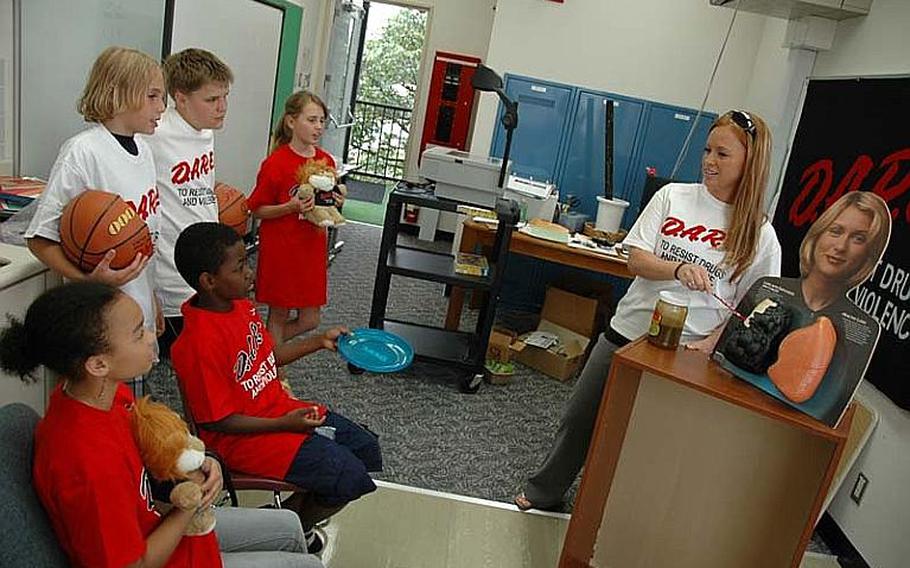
(691, 467)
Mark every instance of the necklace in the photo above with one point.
(96, 403)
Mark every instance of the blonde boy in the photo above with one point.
(198, 83)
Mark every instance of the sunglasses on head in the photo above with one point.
(743, 120)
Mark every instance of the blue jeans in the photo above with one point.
(335, 471)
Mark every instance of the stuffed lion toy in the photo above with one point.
(318, 178)
(171, 453)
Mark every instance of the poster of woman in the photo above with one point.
(802, 340)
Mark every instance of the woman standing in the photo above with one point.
(693, 239)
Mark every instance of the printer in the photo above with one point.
(464, 177)
(536, 199)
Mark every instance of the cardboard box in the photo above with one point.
(600, 290)
(573, 319)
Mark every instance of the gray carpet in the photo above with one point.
(432, 436)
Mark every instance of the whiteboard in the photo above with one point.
(60, 41)
(246, 35)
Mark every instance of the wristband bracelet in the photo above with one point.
(676, 270)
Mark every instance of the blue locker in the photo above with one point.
(582, 171)
(543, 113)
(662, 136)
(560, 137)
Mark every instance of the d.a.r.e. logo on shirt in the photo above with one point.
(246, 359)
(675, 227)
(676, 238)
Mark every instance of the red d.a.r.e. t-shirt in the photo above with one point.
(91, 481)
(226, 365)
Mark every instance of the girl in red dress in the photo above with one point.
(291, 268)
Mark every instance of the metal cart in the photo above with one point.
(466, 351)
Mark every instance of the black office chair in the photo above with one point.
(652, 184)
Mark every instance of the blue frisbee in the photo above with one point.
(376, 350)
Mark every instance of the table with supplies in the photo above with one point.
(476, 233)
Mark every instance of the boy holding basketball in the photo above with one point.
(227, 365)
(184, 151)
(123, 96)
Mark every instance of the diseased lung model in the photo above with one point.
(753, 343)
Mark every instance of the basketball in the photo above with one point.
(95, 222)
(232, 209)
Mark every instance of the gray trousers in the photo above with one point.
(252, 538)
(547, 488)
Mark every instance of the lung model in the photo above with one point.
(752, 345)
(804, 358)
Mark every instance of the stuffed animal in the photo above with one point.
(317, 177)
(171, 453)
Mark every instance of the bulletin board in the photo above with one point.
(852, 136)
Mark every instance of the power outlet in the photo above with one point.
(859, 488)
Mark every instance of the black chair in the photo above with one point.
(652, 184)
(234, 480)
(27, 538)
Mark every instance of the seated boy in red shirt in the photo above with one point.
(227, 365)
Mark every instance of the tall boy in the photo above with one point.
(227, 366)
(184, 151)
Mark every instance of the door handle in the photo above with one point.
(351, 118)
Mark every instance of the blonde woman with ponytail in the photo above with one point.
(698, 240)
(291, 268)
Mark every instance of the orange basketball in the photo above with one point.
(95, 222)
(232, 209)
